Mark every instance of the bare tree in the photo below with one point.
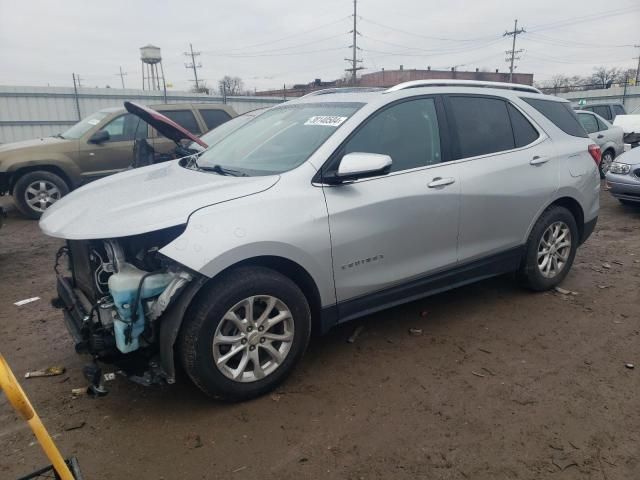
(229, 85)
(202, 88)
(604, 77)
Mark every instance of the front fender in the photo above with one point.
(11, 165)
(287, 221)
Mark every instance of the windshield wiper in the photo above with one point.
(220, 170)
(58, 135)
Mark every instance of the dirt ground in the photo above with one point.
(502, 384)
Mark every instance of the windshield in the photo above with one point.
(218, 133)
(84, 125)
(279, 139)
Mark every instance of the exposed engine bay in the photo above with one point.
(114, 295)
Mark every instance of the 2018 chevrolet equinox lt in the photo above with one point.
(318, 211)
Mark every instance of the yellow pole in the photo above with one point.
(20, 402)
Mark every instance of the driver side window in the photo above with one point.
(407, 132)
(124, 128)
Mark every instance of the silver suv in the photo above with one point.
(316, 212)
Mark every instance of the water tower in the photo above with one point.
(151, 59)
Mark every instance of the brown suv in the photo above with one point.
(38, 172)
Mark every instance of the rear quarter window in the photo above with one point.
(560, 114)
(523, 132)
(214, 118)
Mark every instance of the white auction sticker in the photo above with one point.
(326, 121)
(93, 121)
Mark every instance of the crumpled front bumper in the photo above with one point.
(74, 306)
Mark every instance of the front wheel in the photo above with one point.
(34, 192)
(245, 333)
(550, 249)
(605, 163)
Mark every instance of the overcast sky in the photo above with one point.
(268, 43)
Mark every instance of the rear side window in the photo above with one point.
(601, 125)
(560, 114)
(184, 118)
(523, 132)
(407, 132)
(602, 110)
(589, 122)
(618, 110)
(213, 118)
(482, 125)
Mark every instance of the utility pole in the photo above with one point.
(122, 75)
(638, 68)
(354, 47)
(513, 52)
(75, 92)
(193, 64)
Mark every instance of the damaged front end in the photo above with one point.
(123, 301)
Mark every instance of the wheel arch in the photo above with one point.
(21, 171)
(571, 204)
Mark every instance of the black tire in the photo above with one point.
(629, 203)
(58, 185)
(529, 272)
(607, 153)
(195, 342)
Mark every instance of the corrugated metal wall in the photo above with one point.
(629, 96)
(32, 112)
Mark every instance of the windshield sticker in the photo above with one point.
(93, 121)
(326, 121)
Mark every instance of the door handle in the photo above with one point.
(537, 160)
(600, 136)
(441, 182)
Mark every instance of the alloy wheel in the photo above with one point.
(554, 249)
(605, 163)
(253, 338)
(41, 194)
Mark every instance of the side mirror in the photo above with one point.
(100, 136)
(356, 165)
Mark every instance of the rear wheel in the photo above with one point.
(550, 249)
(605, 163)
(34, 192)
(245, 333)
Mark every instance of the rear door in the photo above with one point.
(183, 117)
(391, 229)
(510, 172)
(590, 124)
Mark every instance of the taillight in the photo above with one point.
(596, 154)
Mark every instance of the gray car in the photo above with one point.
(607, 136)
(319, 211)
(623, 178)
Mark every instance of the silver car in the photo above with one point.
(319, 211)
(623, 178)
(607, 136)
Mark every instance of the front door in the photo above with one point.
(115, 154)
(389, 230)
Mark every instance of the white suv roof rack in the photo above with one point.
(326, 91)
(463, 83)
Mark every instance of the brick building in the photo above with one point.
(389, 78)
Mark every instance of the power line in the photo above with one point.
(122, 75)
(354, 47)
(428, 37)
(538, 38)
(513, 52)
(193, 64)
(585, 18)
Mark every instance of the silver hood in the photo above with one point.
(143, 200)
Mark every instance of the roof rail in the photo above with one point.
(326, 91)
(463, 83)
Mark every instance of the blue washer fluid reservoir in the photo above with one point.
(124, 288)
